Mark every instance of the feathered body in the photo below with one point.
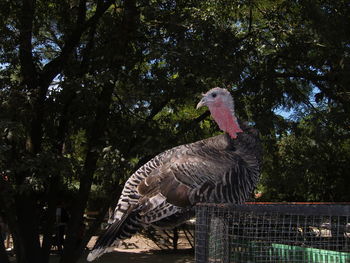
(220, 169)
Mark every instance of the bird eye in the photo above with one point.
(213, 95)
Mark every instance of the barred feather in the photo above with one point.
(162, 192)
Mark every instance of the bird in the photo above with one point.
(162, 193)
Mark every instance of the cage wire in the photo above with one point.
(272, 233)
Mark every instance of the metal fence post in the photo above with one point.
(202, 234)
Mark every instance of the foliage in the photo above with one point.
(313, 161)
(90, 90)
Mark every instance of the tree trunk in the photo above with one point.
(50, 218)
(27, 237)
(72, 250)
(70, 253)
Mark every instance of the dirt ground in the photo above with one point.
(141, 250)
(181, 256)
(138, 249)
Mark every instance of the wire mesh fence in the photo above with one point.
(273, 233)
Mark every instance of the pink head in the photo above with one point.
(220, 103)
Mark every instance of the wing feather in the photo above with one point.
(212, 170)
(210, 173)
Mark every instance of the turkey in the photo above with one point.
(161, 193)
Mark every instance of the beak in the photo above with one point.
(202, 102)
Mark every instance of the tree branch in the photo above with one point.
(317, 81)
(55, 66)
(28, 70)
(304, 75)
(250, 17)
(81, 12)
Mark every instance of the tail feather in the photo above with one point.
(121, 229)
(96, 253)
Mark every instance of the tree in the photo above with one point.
(313, 161)
(90, 90)
(43, 151)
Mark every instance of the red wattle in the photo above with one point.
(226, 120)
